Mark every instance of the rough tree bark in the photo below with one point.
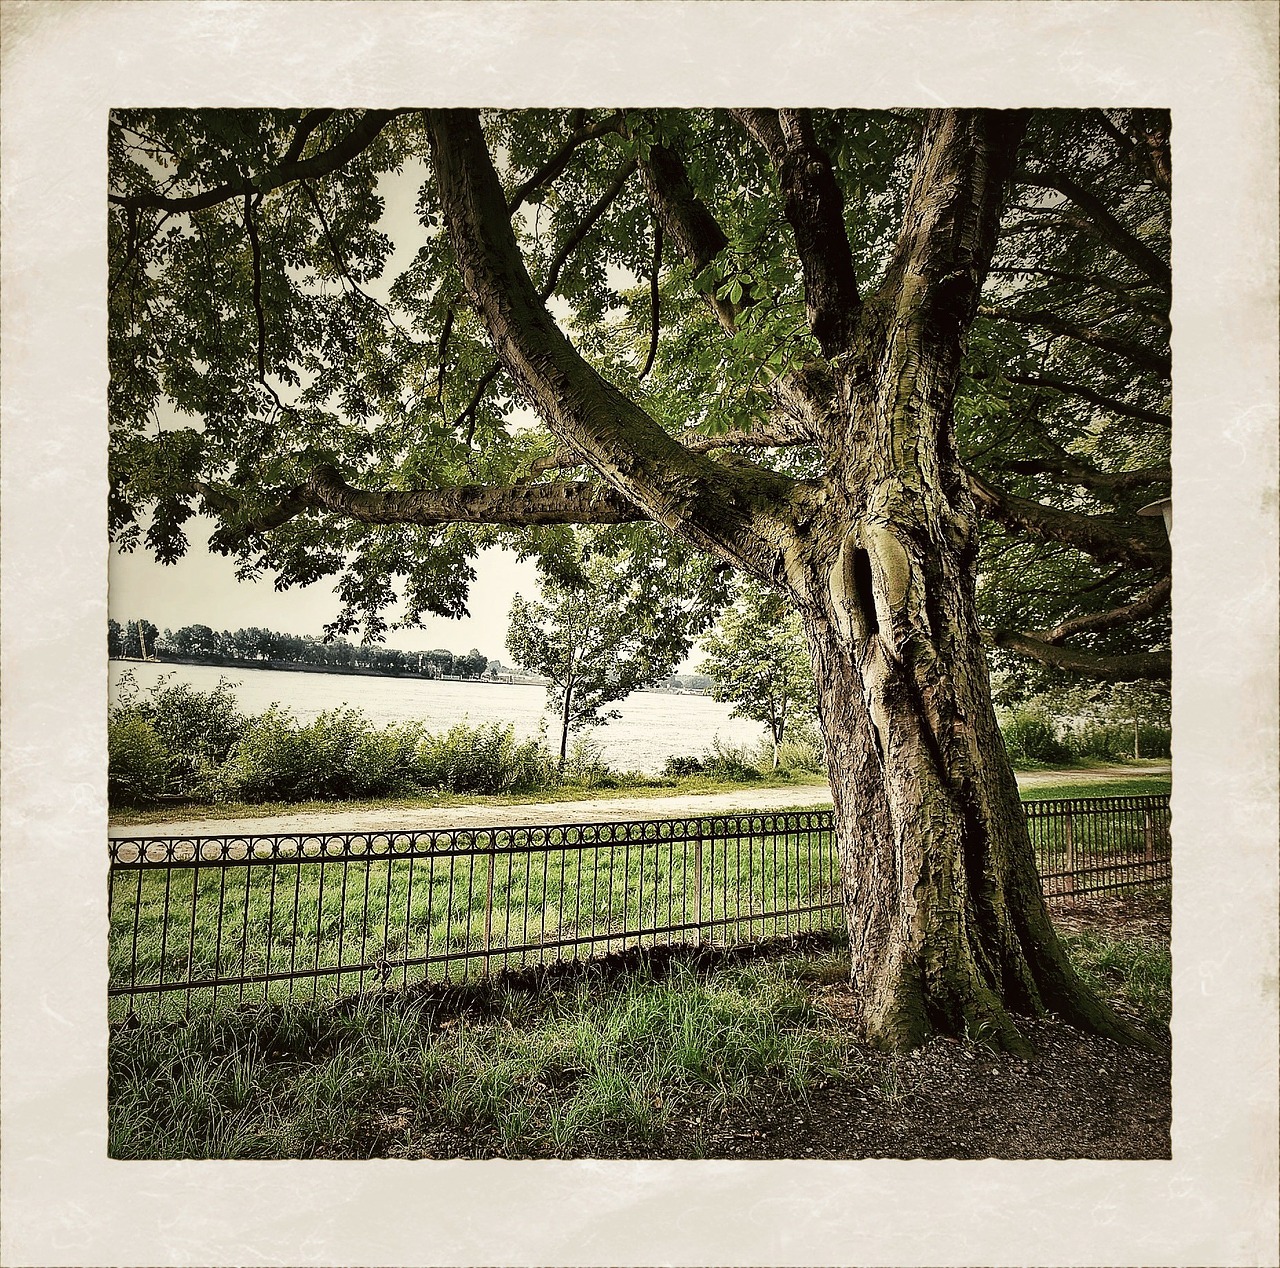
(947, 922)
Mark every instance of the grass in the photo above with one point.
(1097, 784)
(595, 1059)
(1133, 972)
(545, 1072)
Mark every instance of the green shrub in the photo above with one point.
(197, 730)
(271, 761)
(483, 759)
(801, 749)
(1031, 737)
(678, 767)
(585, 767)
(339, 756)
(1113, 742)
(139, 766)
(734, 765)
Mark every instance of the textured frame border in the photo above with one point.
(65, 64)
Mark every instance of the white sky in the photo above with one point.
(201, 589)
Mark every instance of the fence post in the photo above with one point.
(488, 909)
(1069, 881)
(1148, 837)
(697, 886)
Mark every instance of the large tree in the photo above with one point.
(747, 327)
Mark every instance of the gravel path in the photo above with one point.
(604, 809)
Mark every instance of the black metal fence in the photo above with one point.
(224, 919)
(1089, 845)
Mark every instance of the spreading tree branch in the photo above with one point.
(1157, 363)
(1072, 470)
(1107, 538)
(1157, 418)
(1146, 604)
(555, 166)
(361, 136)
(564, 502)
(1124, 242)
(814, 207)
(1117, 668)
(713, 505)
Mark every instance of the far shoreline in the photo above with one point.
(356, 671)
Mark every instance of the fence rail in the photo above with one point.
(230, 918)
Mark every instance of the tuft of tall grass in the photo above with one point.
(1134, 973)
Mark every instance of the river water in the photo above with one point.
(654, 725)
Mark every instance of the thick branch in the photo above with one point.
(566, 502)
(714, 506)
(814, 208)
(806, 392)
(1147, 604)
(1074, 471)
(555, 166)
(783, 434)
(358, 139)
(1104, 537)
(1110, 230)
(685, 219)
(951, 220)
(1156, 418)
(1121, 668)
(1139, 354)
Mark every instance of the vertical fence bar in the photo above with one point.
(697, 886)
(488, 909)
(244, 928)
(191, 944)
(1069, 841)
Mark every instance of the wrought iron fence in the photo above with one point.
(1089, 845)
(196, 920)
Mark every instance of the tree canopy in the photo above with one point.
(296, 352)
(757, 660)
(609, 622)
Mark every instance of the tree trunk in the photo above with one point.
(564, 725)
(947, 920)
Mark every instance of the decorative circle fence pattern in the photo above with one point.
(218, 920)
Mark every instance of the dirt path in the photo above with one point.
(604, 809)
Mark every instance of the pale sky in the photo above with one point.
(201, 589)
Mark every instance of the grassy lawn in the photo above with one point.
(611, 1059)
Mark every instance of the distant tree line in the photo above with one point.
(141, 640)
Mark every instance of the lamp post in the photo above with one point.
(1163, 507)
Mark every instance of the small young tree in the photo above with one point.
(757, 659)
(607, 625)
